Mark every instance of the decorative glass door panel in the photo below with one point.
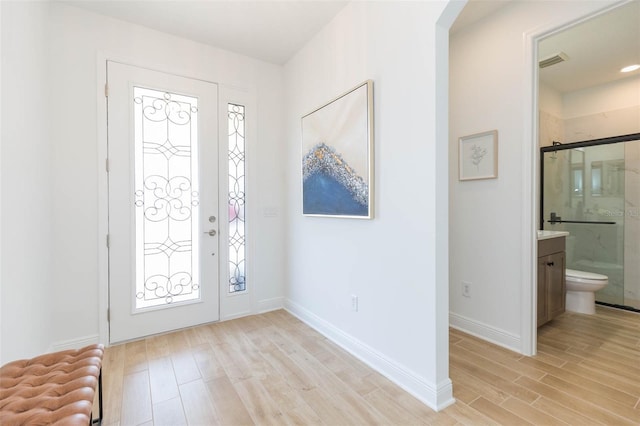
(166, 198)
(163, 202)
(237, 275)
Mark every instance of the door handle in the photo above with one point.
(550, 263)
(211, 232)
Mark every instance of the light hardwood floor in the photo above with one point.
(273, 369)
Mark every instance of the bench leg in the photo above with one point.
(98, 421)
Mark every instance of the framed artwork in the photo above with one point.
(478, 156)
(337, 156)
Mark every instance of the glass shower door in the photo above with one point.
(584, 194)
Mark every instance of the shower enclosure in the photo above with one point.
(591, 189)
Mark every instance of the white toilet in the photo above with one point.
(581, 288)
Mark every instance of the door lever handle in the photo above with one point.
(550, 263)
(211, 232)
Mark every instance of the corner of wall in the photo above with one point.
(486, 332)
(438, 397)
(272, 304)
(74, 343)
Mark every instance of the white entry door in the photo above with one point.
(163, 202)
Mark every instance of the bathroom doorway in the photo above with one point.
(588, 128)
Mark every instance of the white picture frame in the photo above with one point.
(478, 156)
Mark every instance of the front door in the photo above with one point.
(163, 202)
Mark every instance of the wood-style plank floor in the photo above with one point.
(273, 369)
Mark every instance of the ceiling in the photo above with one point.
(597, 50)
(264, 29)
(275, 30)
(476, 10)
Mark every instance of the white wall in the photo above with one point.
(1, 198)
(55, 243)
(549, 100)
(619, 94)
(551, 126)
(489, 90)
(388, 262)
(26, 284)
(611, 109)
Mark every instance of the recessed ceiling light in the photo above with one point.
(630, 68)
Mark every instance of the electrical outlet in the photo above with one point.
(354, 303)
(466, 289)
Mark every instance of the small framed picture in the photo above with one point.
(478, 156)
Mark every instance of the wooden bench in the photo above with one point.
(52, 389)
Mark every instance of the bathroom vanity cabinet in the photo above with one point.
(551, 279)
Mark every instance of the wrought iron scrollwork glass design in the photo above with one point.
(237, 276)
(166, 198)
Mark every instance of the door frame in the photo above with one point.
(230, 306)
(531, 168)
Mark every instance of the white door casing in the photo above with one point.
(179, 207)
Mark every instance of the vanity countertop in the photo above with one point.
(545, 235)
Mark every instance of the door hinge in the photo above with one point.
(106, 90)
(108, 314)
(106, 164)
(107, 240)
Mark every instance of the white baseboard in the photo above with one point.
(486, 332)
(78, 343)
(436, 396)
(272, 304)
(235, 315)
